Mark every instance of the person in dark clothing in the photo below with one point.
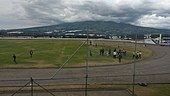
(14, 58)
(31, 53)
(102, 51)
(90, 53)
(114, 49)
(109, 52)
(120, 56)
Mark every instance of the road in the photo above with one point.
(152, 70)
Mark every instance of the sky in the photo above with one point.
(30, 13)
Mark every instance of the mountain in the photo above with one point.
(97, 27)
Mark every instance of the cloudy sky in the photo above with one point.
(28, 13)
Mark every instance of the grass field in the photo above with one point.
(150, 90)
(52, 53)
(153, 90)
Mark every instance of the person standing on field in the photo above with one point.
(114, 54)
(90, 53)
(31, 53)
(133, 54)
(109, 52)
(102, 51)
(140, 55)
(14, 58)
(119, 56)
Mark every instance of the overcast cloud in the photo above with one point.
(26, 13)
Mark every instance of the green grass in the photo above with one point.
(153, 90)
(150, 90)
(51, 53)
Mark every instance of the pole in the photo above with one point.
(87, 49)
(44, 89)
(67, 60)
(32, 86)
(134, 69)
(20, 89)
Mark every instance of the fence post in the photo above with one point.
(32, 86)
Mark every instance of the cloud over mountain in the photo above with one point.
(149, 13)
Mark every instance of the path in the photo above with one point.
(120, 74)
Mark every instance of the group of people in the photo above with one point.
(94, 44)
(14, 56)
(119, 54)
(137, 55)
(116, 54)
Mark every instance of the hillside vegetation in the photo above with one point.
(102, 27)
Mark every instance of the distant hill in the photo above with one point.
(103, 27)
